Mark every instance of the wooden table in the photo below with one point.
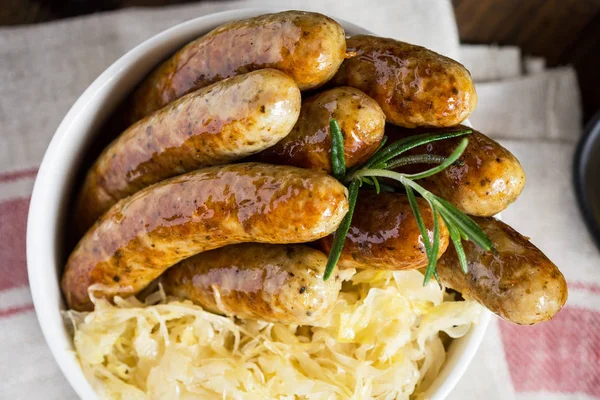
(561, 31)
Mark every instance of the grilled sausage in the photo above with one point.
(274, 283)
(309, 144)
(309, 47)
(144, 234)
(221, 123)
(519, 283)
(485, 181)
(384, 234)
(413, 85)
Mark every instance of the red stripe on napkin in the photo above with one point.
(590, 287)
(13, 227)
(16, 310)
(562, 355)
(16, 175)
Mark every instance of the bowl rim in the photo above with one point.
(51, 186)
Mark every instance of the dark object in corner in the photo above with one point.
(586, 174)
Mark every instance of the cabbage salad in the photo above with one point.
(382, 341)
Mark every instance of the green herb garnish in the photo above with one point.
(460, 226)
(340, 234)
(338, 161)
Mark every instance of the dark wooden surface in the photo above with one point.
(562, 31)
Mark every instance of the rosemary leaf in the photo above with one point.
(457, 242)
(382, 173)
(423, 230)
(447, 162)
(368, 180)
(434, 247)
(419, 218)
(405, 144)
(340, 234)
(376, 183)
(415, 159)
(338, 160)
(437, 278)
(383, 142)
(467, 227)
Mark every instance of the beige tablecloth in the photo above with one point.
(44, 68)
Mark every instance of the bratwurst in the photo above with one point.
(275, 283)
(517, 282)
(144, 234)
(309, 144)
(218, 124)
(413, 85)
(384, 234)
(309, 47)
(486, 179)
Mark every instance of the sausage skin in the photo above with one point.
(144, 234)
(384, 234)
(274, 283)
(309, 144)
(413, 85)
(485, 181)
(309, 47)
(218, 124)
(519, 283)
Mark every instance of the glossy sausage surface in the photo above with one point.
(384, 234)
(309, 47)
(215, 125)
(309, 144)
(144, 234)
(487, 179)
(413, 85)
(519, 283)
(274, 283)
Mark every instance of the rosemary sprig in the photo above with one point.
(340, 234)
(459, 225)
(338, 160)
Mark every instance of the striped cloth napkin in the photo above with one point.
(537, 116)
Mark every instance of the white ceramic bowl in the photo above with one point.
(53, 186)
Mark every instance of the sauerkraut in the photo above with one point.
(382, 341)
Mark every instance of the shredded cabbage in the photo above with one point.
(380, 342)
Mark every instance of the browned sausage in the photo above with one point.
(274, 283)
(487, 179)
(144, 234)
(218, 124)
(384, 234)
(519, 283)
(413, 85)
(309, 47)
(309, 144)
